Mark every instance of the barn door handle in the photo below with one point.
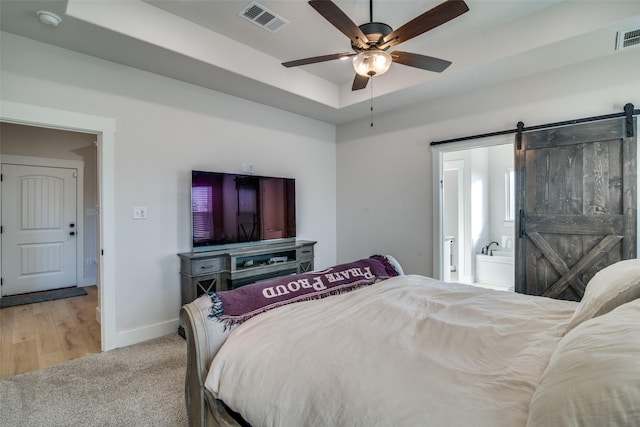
(521, 228)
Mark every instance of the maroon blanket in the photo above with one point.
(241, 304)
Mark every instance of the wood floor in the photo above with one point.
(39, 335)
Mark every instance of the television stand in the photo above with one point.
(225, 269)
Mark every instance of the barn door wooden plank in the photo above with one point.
(630, 193)
(570, 276)
(555, 260)
(578, 224)
(603, 130)
(577, 199)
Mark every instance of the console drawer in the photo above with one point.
(206, 266)
(304, 252)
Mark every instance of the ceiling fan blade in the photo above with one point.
(429, 20)
(341, 21)
(420, 61)
(359, 82)
(316, 59)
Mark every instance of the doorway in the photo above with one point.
(576, 184)
(104, 130)
(474, 203)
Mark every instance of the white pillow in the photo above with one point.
(593, 376)
(609, 288)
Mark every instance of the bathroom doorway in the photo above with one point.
(477, 213)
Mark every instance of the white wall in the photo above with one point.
(384, 172)
(383, 200)
(480, 197)
(164, 129)
(501, 158)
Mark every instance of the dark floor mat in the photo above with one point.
(13, 300)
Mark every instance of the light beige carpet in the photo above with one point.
(140, 385)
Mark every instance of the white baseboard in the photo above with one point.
(135, 336)
(87, 281)
(466, 278)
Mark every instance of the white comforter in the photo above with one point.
(409, 351)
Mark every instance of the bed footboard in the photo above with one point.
(204, 339)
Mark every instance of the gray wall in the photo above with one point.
(164, 129)
(385, 176)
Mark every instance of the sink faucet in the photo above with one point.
(488, 249)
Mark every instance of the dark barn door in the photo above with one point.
(577, 201)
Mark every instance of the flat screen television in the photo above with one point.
(228, 210)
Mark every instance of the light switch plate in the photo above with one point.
(140, 212)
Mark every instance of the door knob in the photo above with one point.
(73, 233)
(72, 225)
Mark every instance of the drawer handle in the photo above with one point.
(306, 252)
(206, 266)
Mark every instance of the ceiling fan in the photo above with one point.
(371, 41)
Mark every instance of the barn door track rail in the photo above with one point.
(628, 113)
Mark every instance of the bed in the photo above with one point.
(408, 350)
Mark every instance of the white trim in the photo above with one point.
(509, 196)
(134, 336)
(42, 161)
(78, 165)
(438, 199)
(462, 170)
(104, 128)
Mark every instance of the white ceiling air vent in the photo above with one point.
(629, 38)
(263, 17)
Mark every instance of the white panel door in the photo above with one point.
(39, 228)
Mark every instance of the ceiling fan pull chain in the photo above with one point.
(371, 101)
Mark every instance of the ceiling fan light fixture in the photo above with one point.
(370, 63)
